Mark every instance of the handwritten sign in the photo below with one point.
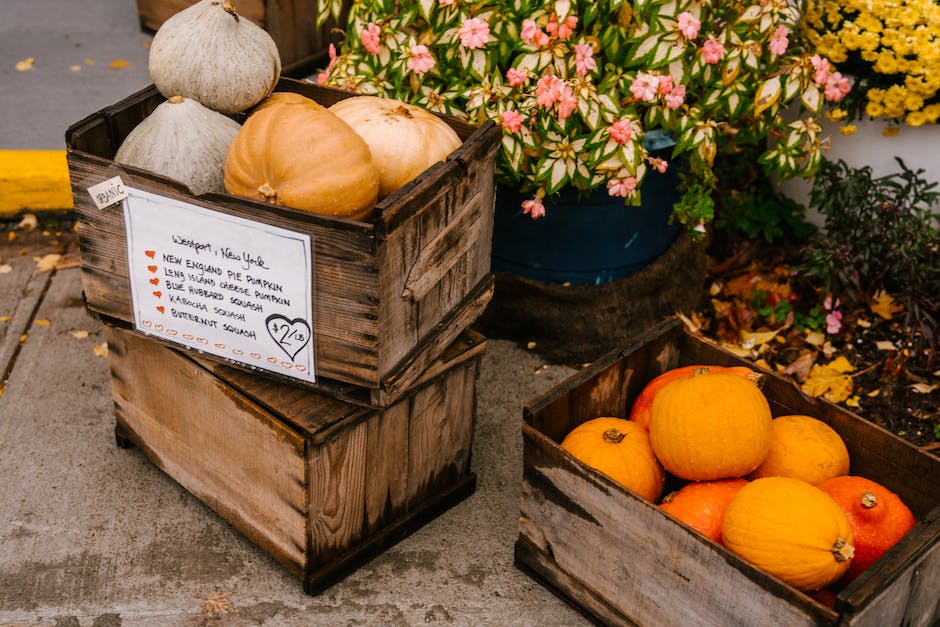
(221, 284)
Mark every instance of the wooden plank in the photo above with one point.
(640, 561)
(21, 291)
(227, 451)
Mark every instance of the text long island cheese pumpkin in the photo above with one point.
(292, 151)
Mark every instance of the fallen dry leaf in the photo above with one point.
(28, 223)
(75, 68)
(830, 381)
(815, 338)
(737, 350)
(48, 262)
(853, 401)
(800, 367)
(751, 339)
(874, 393)
(923, 388)
(884, 305)
(42, 323)
(6, 268)
(25, 65)
(885, 345)
(217, 603)
(693, 323)
(100, 350)
(68, 262)
(865, 324)
(116, 64)
(80, 334)
(5, 318)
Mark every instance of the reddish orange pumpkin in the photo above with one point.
(878, 516)
(702, 504)
(640, 412)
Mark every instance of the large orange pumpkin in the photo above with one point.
(710, 426)
(621, 450)
(640, 411)
(702, 504)
(878, 516)
(804, 448)
(791, 529)
(292, 151)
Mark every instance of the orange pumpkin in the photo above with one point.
(702, 504)
(804, 448)
(640, 412)
(292, 151)
(878, 516)
(791, 529)
(621, 450)
(710, 426)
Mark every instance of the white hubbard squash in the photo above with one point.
(404, 139)
(182, 140)
(209, 53)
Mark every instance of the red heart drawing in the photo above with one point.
(158, 294)
(237, 351)
(287, 364)
(146, 323)
(202, 340)
(188, 336)
(160, 309)
(301, 368)
(220, 346)
(172, 332)
(152, 268)
(158, 327)
(154, 281)
(150, 253)
(272, 360)
(256, 355)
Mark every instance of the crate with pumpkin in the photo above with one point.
(398, 202)
(672, 483)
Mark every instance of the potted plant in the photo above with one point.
(891, 51)
(600, 97)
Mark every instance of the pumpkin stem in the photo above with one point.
(869, 500)
(669, 497)
(842, 550)
(175, 99)
(614, 436)
(756, 378)
(267, 193)
(700, 371)
(230, 9)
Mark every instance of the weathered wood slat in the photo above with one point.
(623, 559)
(20, 293)
(387, 293)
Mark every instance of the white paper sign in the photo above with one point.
(221, 284)
(108, 192)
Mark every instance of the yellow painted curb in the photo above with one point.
(33, 180)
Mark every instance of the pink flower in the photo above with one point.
(516, 77)
(512, 121)
(474, 33)
(529, 28)
(665, 84)
(688, 25)
(644, 87)
(584, 58)
(821, 65)
(621, 187)
(567, 102)
(534, 208)
(778, 41)
(324, 76)
(420, 60)
(660, 165)
(833, 322)
(712, 51)
(620, 131)
(566, 28)
(676, 97)
(370, 38)
(548, 90)
(837, 87)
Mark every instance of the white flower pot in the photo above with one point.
(919, 148)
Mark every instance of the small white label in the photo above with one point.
(221, 284)
(108, 193)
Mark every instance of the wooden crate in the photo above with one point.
(319, 484)
(623, 561)
(389, 295)
(292, 25)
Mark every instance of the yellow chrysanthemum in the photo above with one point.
(890, 131)
(848, 129)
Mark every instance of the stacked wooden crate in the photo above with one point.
(624, 561)
(320, 470)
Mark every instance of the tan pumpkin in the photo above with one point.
(209, 53)
(710, 426)
(184, 141)
(621, 450)
(804, 448)
(405, 140)
(791, 529)
(292, 151)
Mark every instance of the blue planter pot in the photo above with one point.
(586, 240)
